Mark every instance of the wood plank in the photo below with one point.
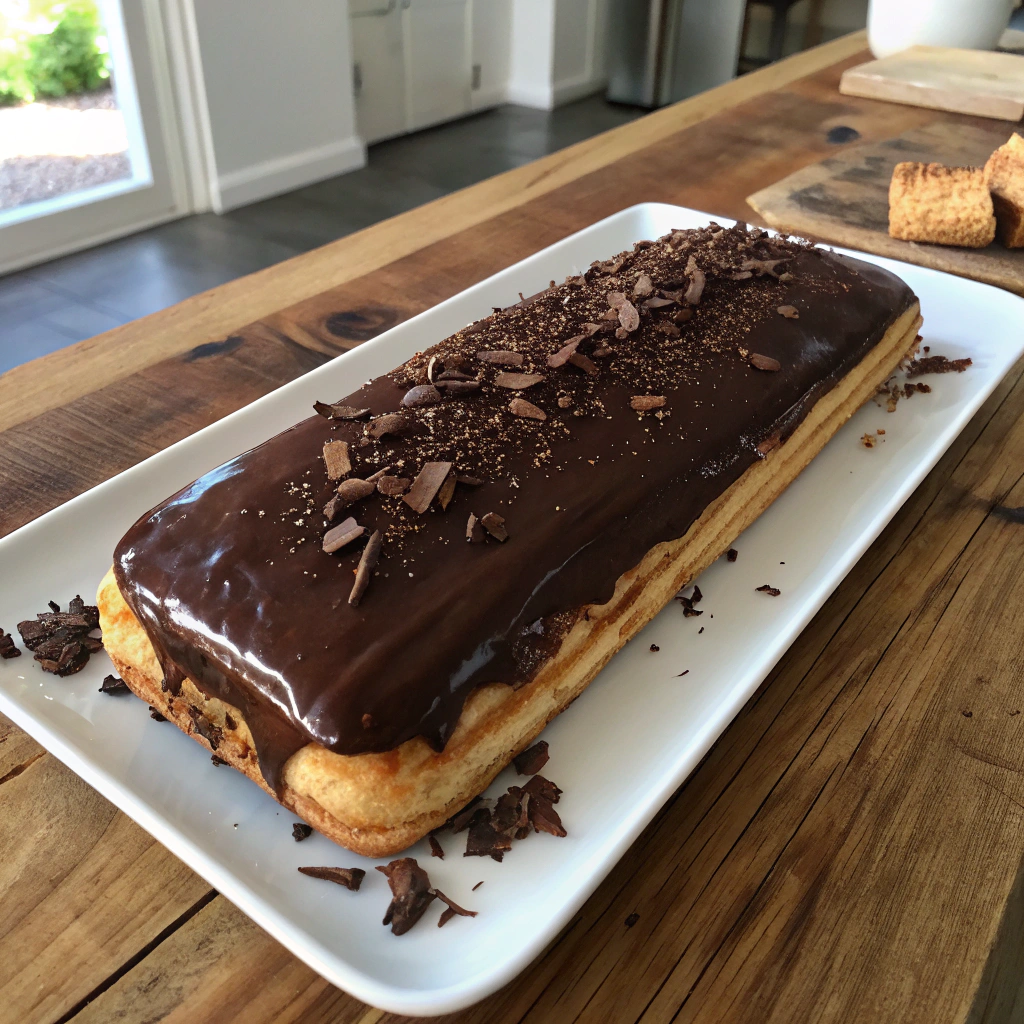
(53, 380)
(845, 199)
(83, 889)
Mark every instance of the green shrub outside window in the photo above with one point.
(50, 49)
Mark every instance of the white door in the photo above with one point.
(437, 61)
(154, 186)
(412, 64)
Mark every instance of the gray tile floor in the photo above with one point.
(55, 304)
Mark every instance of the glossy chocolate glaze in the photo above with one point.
(231, 584)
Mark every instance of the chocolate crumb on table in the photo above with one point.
(62, 641)
(350, 878)
(632, 919)
(411, 893)
(300, 831)
(8, 648)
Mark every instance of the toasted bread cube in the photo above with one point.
(945, 205)
(1004, 175)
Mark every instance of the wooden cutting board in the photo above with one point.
(979, 82)
(845, 200)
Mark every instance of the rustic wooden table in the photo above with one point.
(852, 849)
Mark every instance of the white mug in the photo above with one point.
(893, 25)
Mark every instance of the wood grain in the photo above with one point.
(850, 850)
(845, 200)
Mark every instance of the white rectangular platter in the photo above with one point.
(658, 723)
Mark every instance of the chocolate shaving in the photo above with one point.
(629, 318)
(452, 376)
(463, 819)
(478, 884)
(446, 491)
(393, 486)
(422, 394)
(790, 312)
(337, 411)
(643, 287)
(695, 288)
(511, 817)
(436, 850)
(543, 816)
(542, 789)
(561, 357)
(683, 315)
(762, 267)
(367, 563)
(60, 641)
(426, 485)
(732, 554)
(300, 831)
(689, 611)
(616, 300)
(355, 489)
(501, 358)
(658, 303)
(768, 589)
(344, 533)
(390, 423)
(474, 531)
(114, 686)
(582, 362)
(459, 387)
(766, 363)
(741, 275)
(667, 327)
(8, 648)
(469, 481)
(451, 910)
(351, 878)
(531, 760)
(411, 893)
(333, 507)
(603, 349)
(937, 364)
(336, 459)
(527, 410)
(485, 841)
(495, 526)
(517, 381)
(643, 403)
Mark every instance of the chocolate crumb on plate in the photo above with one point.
(8, 648)
(113, 686)
(336, 459)
(486, 841)
(766, 363)
(300, 831)
(768, 589)
(689, 611)
(426, 485)
(685, 672)
(411, 893)
(732, 554)
(436, 850)
(351, 878)
(655, 648)
(367, 563)
(477, 886)
(543, 816)
(937, 364)
(531, 760)
(495, 526)
(61, 641)
(451, 910)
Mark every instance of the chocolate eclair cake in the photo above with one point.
(373, 612)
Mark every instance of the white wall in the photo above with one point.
(492, 50)
(278, 95)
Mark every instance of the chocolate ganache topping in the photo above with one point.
(502, 480)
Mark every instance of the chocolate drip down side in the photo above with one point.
(229, 577)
